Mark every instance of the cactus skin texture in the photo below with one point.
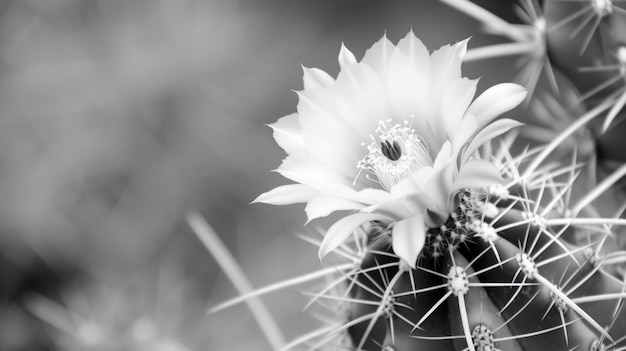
(514, 282)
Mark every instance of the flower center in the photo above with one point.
(395, 153)
(391, 150)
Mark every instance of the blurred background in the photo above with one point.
(118, 117)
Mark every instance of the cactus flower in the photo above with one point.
(392, 139)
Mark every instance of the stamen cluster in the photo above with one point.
(396, 152)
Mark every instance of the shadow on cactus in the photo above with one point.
(448, 239)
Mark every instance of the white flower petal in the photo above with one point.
(495, 101)
(438, 189)
(445, 65)
(377, 57)
(455, 101)
(368, 196)
(408, 238)
(413, 184)
(444, 156)
(346, 57)
(445, 72)
(288, 134)
(360, 99)
(343, 228)
(399, 208)
(322, 206)
(305, 169)
(488, 133)
(316, 78)
(464, 133)
(330, 139)
(476, 174)
(414, 49)
(461, 48)
(287, 194)
(408, 91)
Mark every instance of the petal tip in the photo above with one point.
(462, 47)
(346, 57)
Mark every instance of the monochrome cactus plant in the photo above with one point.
(454, 231)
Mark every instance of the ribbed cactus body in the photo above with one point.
(536, 286)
